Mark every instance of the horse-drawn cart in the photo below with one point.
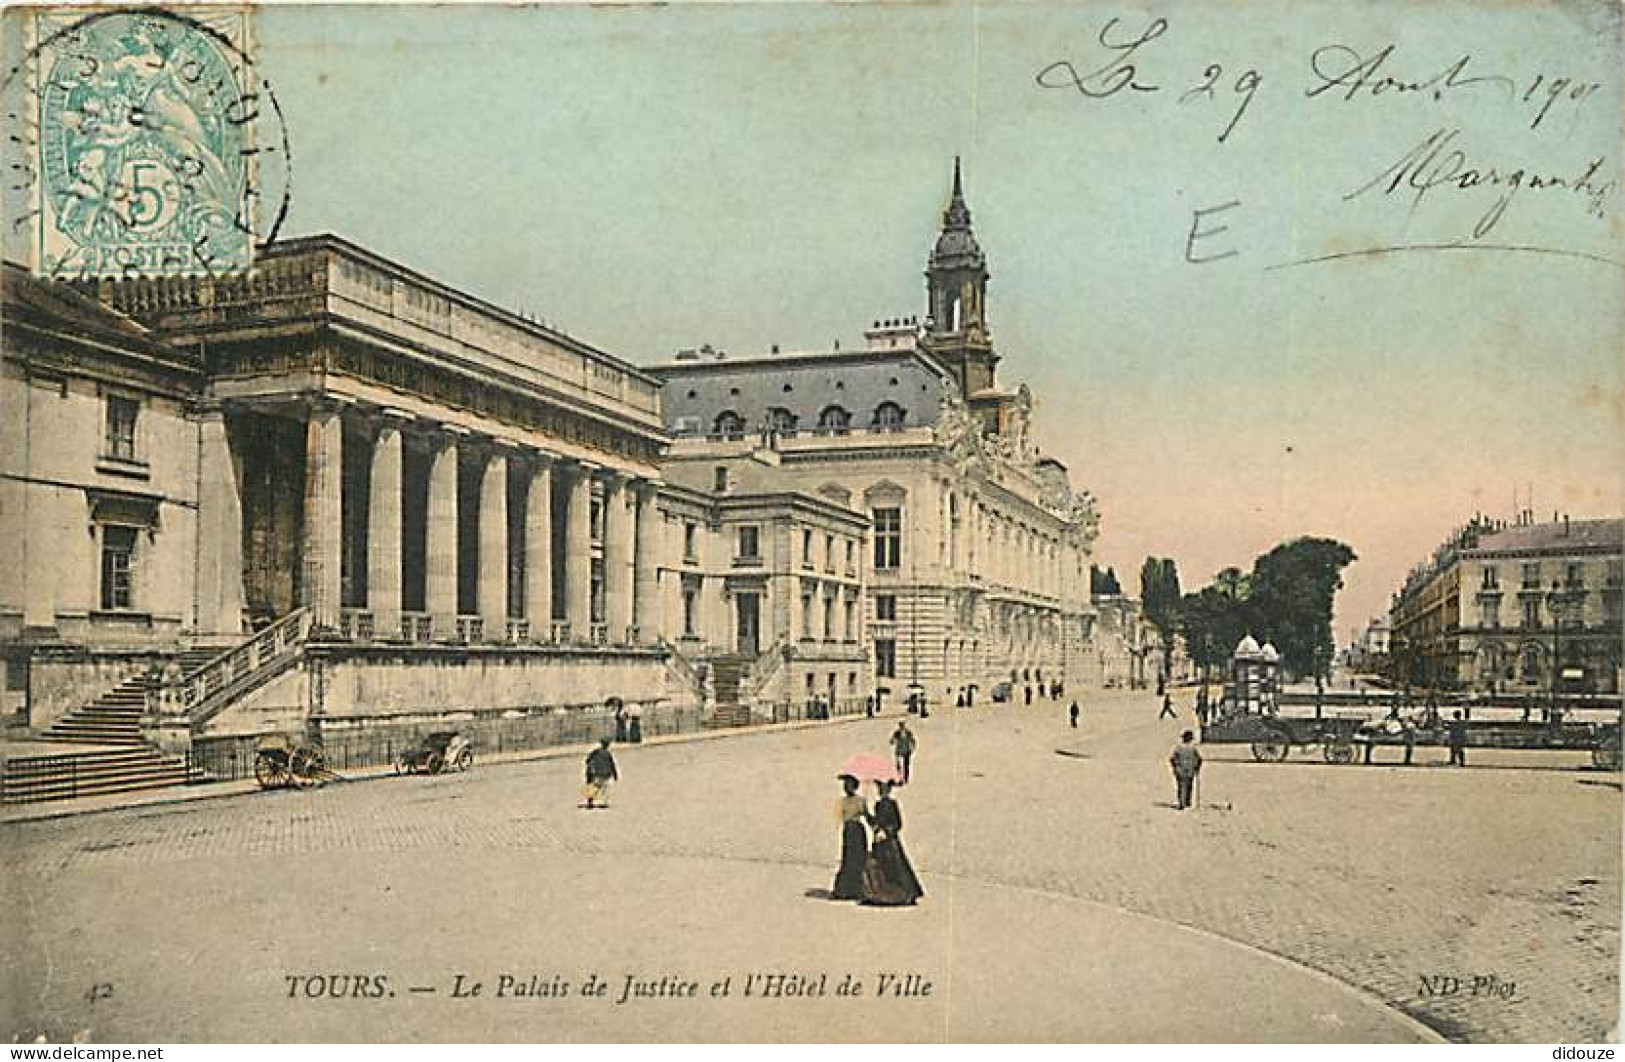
(281, 762)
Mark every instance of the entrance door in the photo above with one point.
(749, 612)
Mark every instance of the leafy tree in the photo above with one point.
(1291, 594)
(1213, 623)
(1233, 583)
(1159, 600)
(1103, 582)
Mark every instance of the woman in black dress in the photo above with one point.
(854, 842)
(890, 881)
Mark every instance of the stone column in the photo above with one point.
(384, 528)
(324, 524)
(539, 549)
(578, 552)
(646, 573)
(220, 597)
(617, 559)
(440, 538)
(493, 558)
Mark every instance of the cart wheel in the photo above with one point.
(307, 763)
(1339, 752)
(401, 766)
(465, 759)
(1606, 756)
(270, 772)
(434, 763)
(1270, 750)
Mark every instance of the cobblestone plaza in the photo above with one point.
(1066, 899)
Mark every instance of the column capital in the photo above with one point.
(539, 458)
(322, 402)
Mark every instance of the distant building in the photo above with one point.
(977, 555)
(1517, 609)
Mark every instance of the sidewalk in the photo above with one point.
(180, 794)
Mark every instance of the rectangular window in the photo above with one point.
(807, 614)
(118, 566)
(806, 548)
(829, 553)
(721, 479)
(886, 608)
(829, 618)
(1531, 576)
(850, 628)
(1575, 576)
(748, 543)
(1531, 613)
(851, 556)
(1490, 613)
(691, 533)
(885, 658)
(691, 610)
(1492, 578)
(121, 417)
(888, 538)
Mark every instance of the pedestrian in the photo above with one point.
(1167, 708)
(959, 699)
(903, 744)
(1186, 761)
(1072, 713)
(601, 773)
(888, 879)
(1029, 691)
(1458, 740)
(854, 842)
(620, 721)
(634, 724)
(869, 706)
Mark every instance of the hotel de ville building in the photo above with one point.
(336, 498)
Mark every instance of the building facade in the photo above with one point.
(977, 552)
(427, 502)
(1516, 609)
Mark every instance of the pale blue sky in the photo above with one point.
(652, 178)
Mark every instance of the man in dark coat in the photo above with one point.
(600, 773)
(902, 743)
(1458, 740)
(1186, 760)
(1073, 713)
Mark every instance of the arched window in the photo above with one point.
(728, 425)
(834, 420)
(889, 416)
(781, 421)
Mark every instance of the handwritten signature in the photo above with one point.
(1438, 162)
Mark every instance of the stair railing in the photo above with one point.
(206, 690)
(763, 670)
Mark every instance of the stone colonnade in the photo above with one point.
(626, 612)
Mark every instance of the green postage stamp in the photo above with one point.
(146, 153)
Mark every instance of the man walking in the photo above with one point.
(1167, 708)
(1186, 761)
(1073, 713)
(902, 743)
(1458, 740)
(600, 773)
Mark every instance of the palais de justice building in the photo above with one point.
(339, 498)
(976, 562)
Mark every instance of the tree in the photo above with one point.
(1291, 593)
(1233, 583)
(1103, 582)
(1213, 623)
(1159, 601)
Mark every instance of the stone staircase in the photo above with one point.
(89, 772)
(110, 757)
(114, 718)
(727, 675)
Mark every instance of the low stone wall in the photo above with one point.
(390, 681)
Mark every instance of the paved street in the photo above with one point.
(1065, 898)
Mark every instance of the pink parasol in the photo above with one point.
(868, 767)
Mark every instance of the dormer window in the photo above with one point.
(889, 416)
(728, 425)
(834, 420)
(781, 421)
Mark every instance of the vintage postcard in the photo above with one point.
(812, 522)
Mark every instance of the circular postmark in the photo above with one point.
(156, 147)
